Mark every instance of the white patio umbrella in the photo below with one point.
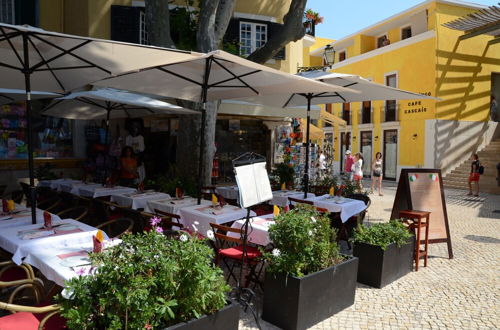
(8, 95)
(34, 59)
(215, 76)
(360, 90)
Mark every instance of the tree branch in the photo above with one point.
(224, 14)
(158, 23)
(292, 30)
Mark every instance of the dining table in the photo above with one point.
(174, 205)
(56, 183)
(138, 200)
(280, 197)
(347, 207)
(22, 240)
(21, 216)
(94, 191)
(258, 229)
(199, 217)
(74, 186)
(229, 192)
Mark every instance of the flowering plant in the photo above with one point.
(304, 243)
(147, 281)
(313, 16)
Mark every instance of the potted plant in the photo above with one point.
(313, 16)
(151, 281)
(385, 252)
(307, 280)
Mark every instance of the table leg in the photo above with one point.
(417, 250)
(426, 246)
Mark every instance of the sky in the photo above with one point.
(343, 17)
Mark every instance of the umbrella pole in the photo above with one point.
(108, 111)
(306, 168)
(29, 128)
(203, 120)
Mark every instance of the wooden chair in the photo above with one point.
(75, 213)
(49, 205)
(169, 219)
(229, 250)
(20, 278)
(117, 227)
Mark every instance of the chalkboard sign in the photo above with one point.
(422, 189)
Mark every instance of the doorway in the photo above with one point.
(390, 154)
(345, 143)
(366, 150)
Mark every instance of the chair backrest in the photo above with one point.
(169, 220)
(222, 240)
(116, 228)
(76, 213)
(49, 204)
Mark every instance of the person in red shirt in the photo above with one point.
(349, 160)
(474, 174)
(128, 167)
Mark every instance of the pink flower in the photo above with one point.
(154, 221)
(159, 230)
(148, 326)
(80, 271)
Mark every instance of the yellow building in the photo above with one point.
(412, 50)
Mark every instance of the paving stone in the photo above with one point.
(461, 293)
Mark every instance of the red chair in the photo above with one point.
(229, 250)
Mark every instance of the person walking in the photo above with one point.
(474, 174)
(321, 164)
(357, 169)
(349, 160)
(377, 173)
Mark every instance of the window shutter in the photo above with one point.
(232, 35)
(272, 29)
(125, 22)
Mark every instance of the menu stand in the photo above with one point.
(243, 295)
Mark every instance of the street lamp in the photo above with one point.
(329, 55)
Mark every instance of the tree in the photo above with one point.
(213, 20)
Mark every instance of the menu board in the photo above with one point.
(253, 184)
(422, 190)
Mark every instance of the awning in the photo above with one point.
(484, 21)
(315, 132)
(240, 108)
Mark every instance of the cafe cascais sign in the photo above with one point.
(416, 106)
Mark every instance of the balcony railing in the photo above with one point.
(310, 27)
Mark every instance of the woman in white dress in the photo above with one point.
(357, 169)
(377, 173)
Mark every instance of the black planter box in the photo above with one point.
(226, 318)
(299, 303)
(378, 268)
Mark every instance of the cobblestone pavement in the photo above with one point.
(461, 293)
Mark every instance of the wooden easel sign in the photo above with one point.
(422, 189)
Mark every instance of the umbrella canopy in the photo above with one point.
(360, 90)
(99, 103)
(31, 58)
(241, 108)
(365, 90)
(215, 76)
(8, 95)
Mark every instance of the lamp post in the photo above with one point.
(329, 55)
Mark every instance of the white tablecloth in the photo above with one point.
(258, 231)
(100, 191)
(229, 192)
(347, 207)
(11, 242)
(56, 184)
(280, 197)
(138, 200)
(74, 187)
(173, 206)
(23, 218)
(205, 214)
(53, 263)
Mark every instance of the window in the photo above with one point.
(143, 33)
(329, 109)
(342, 56)
(346, 113)
(406, 33)
(7, 12)
(366, 112)
(390, 105)
(252, 37)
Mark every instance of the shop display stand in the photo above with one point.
(244, 296)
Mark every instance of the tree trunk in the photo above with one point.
(158, 23)
(292, 30)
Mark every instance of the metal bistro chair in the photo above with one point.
(26, 317)
(229, 250)
(117, 227)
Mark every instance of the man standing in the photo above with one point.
(349, 161)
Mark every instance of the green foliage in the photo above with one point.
(284, 173)
(183, 26)
(383, 234)
(341, 184)
(305, 243)
(44, 172)
(148, 280)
